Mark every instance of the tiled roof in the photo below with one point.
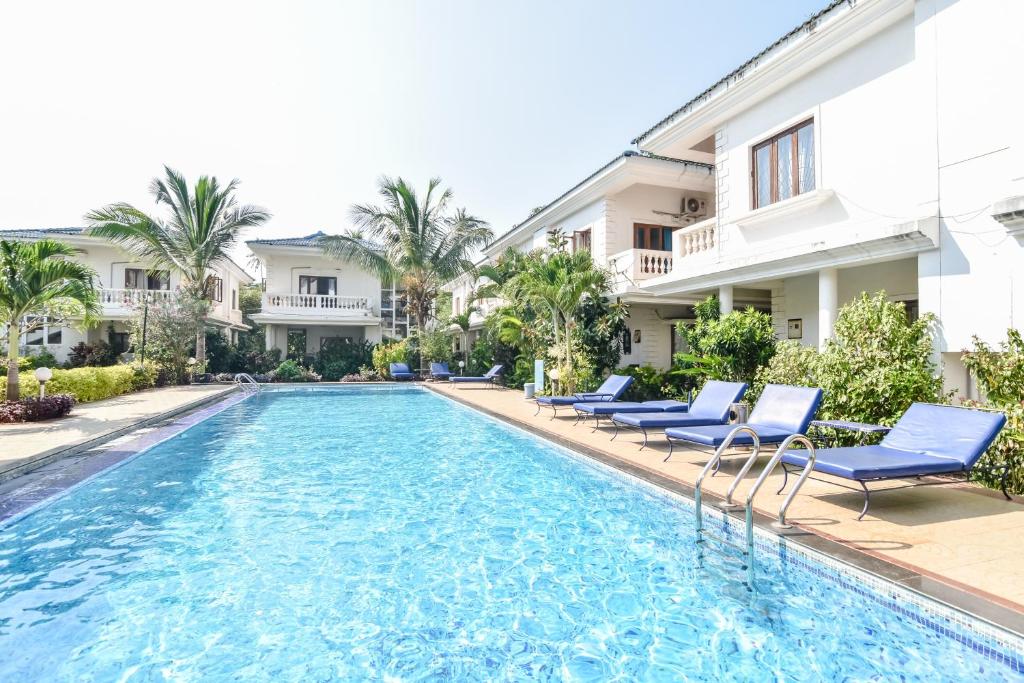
(39, 233)
(627, 153)
(738, 71)
(310, 241)
(307, 241)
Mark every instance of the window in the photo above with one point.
(783, 166)
(312, 284)
(44, 334)
(120, 342)
(581, 240)
(139, 278)
(216, 289)
(656, 237)
(234, 300)
(297, 343)
(334, 343)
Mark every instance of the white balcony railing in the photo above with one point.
(632, 265)
(695, 239)
(326, 305)
(129, 298)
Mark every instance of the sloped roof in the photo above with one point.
(738, 71)
(310, 241)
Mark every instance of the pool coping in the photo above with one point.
(33, 462)
(976, 604)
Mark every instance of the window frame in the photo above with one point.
(648, 229)
(315, 279)
(582, 240)
(162, 278)
(217, 289)
(771, 142)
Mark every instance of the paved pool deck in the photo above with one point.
(30, 445)
(958, 542)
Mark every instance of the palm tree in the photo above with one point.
(558, 282)
(462, 321)
(39, 282)
(415, 243)
(202, 225)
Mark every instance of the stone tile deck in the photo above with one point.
(959, 534)
(27, 446)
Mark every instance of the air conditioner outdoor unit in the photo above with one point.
(692, 207)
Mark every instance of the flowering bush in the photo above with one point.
(35, 409)
(385, 354)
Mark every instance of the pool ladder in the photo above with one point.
(728, 504)
(247, 383)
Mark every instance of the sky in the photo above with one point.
(309, 103)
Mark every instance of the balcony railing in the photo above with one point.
(695, 239)
(129, 298)
(318, 304)
(632, 265)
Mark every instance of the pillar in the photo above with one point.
(725, 299)
(828, 303)
(269, 332)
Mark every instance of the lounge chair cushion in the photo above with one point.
(610, 390)
(470, 379)
(715, 435)
(610, 407)
(440, 370)
(715, 400)
(872, 462)
(945, 432)
(400, 371)
(661, 419)
(785, 407)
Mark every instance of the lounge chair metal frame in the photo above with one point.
(837, 481)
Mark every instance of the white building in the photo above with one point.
(123, 283)
(310, 298)
(876, 146)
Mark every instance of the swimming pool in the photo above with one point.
(388, 533)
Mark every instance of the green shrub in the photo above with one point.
(386, 353)
(90, 384)
(1000, 377)
(744, 341)
(100, 354)
(43, 359)
(291, 371)
(340, 357)
(874, 367)
(648, 384)
(435, 346)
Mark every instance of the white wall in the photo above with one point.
(637, 204)
(283, 271)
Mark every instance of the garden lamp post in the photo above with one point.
(462, 364)
(44, 375)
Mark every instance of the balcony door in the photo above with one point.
(140, 278)
(315, 284)
(653, 237)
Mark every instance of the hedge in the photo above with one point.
(89, 384)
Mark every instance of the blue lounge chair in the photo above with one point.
(781, 412)
(490, 377)
(599, 409)
(710, 407)
(440, 371)
(928, 439)
(610, 390)
(401, 371)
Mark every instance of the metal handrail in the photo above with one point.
(714, 461)
(245, 380)
(781, 522)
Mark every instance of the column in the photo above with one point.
(725, 299)
(269, 332)
(828, 303)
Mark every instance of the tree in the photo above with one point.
(170, 329)
(39, 283)
(558, 283)
(416, 243)
(743, 341)
(462, 321)
(201, 226)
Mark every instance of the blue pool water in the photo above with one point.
(390, 534)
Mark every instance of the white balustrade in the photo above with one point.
(694, 239)
(649, 263)
(129, 298)
(320, 304)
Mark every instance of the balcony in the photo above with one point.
(635, 265)
(120, 303)
(317, 307)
